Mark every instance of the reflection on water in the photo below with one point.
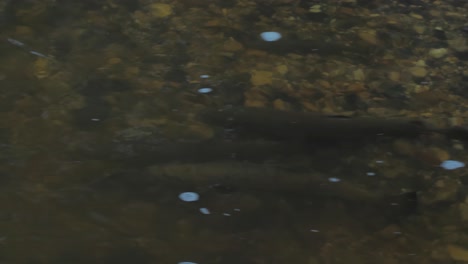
(255, 132)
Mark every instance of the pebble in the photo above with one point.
(459, 44)
(358, 75)
(161, 10)
(255, 103)
(315, 9)
(444, 190)
(418, 71)
(457, 253)
(369, 36)
(232, 45)
(439, 154)
(420, 29)
(280, 104)
(420, 63)
(41, 68)
(390, 231)
(438, 53)
(463, 211)
(282, 69)
(394, 76)
(113, 61)
(417, 16)
(261, 78)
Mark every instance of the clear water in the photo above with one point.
(104, 158)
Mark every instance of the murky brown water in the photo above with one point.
(103, 130)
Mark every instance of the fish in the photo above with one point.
(278, 125)
(266, 134)
(249, 177)
(165, 152)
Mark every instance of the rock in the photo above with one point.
(113, 61)
(255, 97)
(160, 10)
(439, 154)
(42, 68)
(439, 254)
(420, 89)
(420, 63)
(438, 53)
(261, 78)
(420, 29)
(311, 107)
(417, 16)
(456, 121)
(457, 253)
(404, 147)
(369, 36)
(432, 157)
(282, 69)
(394, 76)
(390, 231)
(201, 131)
(444, 190)
(255, 103)
(232, 45)
(131, 71)
(280, 104)
(23, 31)
(459, 44)
(315, 9)
(418, 71)
(463, 211)
(358, 75)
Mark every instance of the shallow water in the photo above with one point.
(100, 132)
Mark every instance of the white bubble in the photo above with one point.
(452, 164)
(205, 90)
(370, 173)
(189, 196)
(333, 179)
(204, 76)
(270, 36)
(187, 262)
(204, 210)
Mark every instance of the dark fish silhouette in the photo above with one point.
(248, 177)
(263, 134)
(310, 127)
(239, 164)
